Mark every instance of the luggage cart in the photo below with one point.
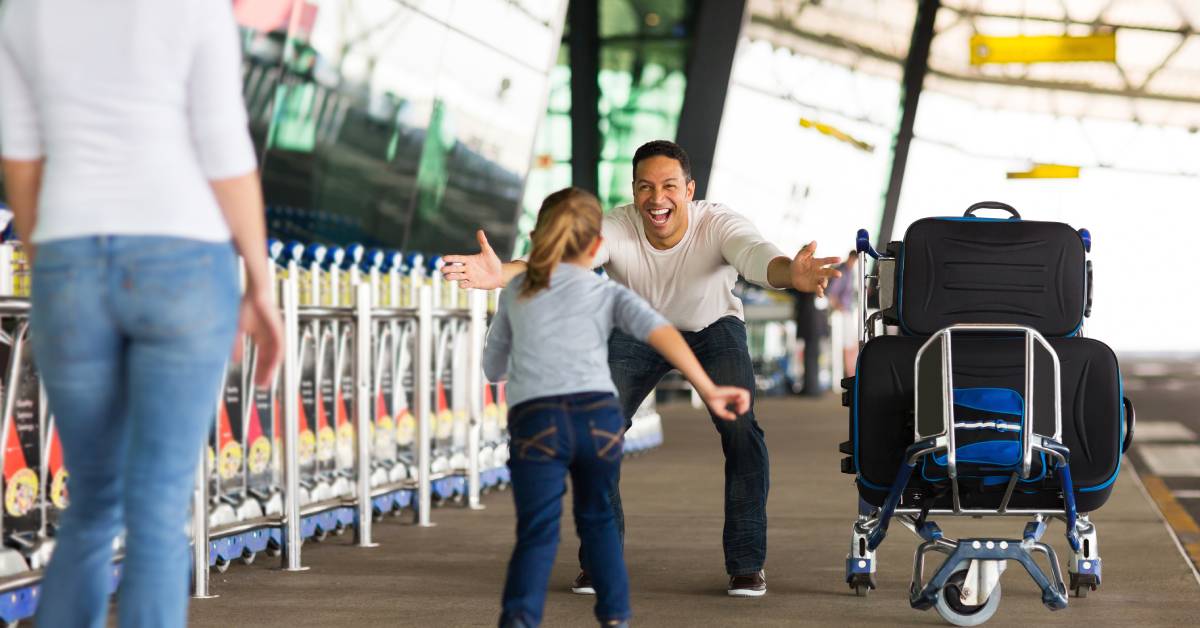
(966, 418)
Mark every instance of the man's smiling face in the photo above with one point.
(661, 192)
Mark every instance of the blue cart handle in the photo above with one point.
(863, 244)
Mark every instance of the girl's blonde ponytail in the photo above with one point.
(568, 222)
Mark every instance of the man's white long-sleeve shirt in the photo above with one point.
(691, 283)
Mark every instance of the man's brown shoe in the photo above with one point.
(751, 585)
(583, 584)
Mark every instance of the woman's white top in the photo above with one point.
(135, 105)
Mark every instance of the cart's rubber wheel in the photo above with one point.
(274, 549)
(248, 557)
(949, 603)
(862, 589)
(1082, 590)
(320, 534)
(222, 565)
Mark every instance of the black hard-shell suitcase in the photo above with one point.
(987, 270)
(1094, 420)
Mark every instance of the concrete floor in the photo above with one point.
(452, 574)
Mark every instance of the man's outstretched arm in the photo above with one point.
(484, 270)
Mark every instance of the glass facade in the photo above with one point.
(398, 123)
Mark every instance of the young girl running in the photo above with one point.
(550, 338)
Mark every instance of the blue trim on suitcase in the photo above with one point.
(858, 467)
(1002, 400)
(1120, 435)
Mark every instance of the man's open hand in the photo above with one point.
(812, 274)
(482, 270)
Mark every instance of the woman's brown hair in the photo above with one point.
(567, 224)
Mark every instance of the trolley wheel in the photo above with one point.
(949, 603)
(861, 590)
(274, 549)
(1082, 584)
(320, 534)
(222, 565)
(376, 515)
(248, 557)
(340, 529)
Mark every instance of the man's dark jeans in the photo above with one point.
(577, 435)
(721, 349)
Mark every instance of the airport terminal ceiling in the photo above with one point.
(1155, 79)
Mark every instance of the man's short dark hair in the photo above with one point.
(664, 148)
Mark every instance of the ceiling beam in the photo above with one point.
(835, 41)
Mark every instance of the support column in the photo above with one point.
(714, 43)
(915, 68)
(583, 19)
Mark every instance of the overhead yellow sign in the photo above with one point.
(1047, 171)
(1043, 49)
(837, 134)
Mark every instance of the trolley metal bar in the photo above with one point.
(291, 425)
(362, 412)
(423, 395)
(200, 530)
(477, 306)
(14, 306)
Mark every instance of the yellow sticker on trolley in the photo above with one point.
(326, 443)
(58, 489)
(406, 429)
(260, 455)
(308, 447)
(231, 460)
(345, 436)
(20, 495)
(445, 424)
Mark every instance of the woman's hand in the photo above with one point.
(259, 317)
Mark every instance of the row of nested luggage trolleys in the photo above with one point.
(354, 427)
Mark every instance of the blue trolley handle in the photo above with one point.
(1086, 236)
(862, 243)
(970, 213)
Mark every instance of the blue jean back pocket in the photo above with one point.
(535, 433)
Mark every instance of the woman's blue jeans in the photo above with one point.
(580, 435)
(131, 334)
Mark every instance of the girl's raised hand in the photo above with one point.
(721, 398)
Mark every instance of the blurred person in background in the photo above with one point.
(129, 168)
(843, 304)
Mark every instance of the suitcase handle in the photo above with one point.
(1130, 423)
(970, 213)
